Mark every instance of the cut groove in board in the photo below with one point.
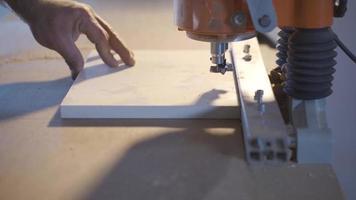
(173, 84)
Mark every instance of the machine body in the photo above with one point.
(214, 21)
(305, 58)
(223, 21)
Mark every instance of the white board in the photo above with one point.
(173, 84)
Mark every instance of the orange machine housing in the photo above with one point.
(213, 20)
(309, 14)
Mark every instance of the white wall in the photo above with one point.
(342, 106)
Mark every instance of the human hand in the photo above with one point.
(58, 24)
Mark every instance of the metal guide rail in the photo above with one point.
(265, 134)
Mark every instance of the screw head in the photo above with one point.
(247, 48)
(239, 19)
(264, 21)
(247, 58)
(259, 95)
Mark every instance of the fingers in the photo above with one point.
(97, 35)
(71, 54)
(116, 44)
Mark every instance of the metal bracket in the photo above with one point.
(314, 138)
(263, 15)
(265, 134)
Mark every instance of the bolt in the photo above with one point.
(239, 19)
(247, 48)
(259, 96)
(247, 58)
(265, 21)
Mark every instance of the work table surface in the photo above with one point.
(45, 157)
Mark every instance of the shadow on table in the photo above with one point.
(18, 99)
(186, 164)
(22, 98)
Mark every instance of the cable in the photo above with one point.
(345, 49)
